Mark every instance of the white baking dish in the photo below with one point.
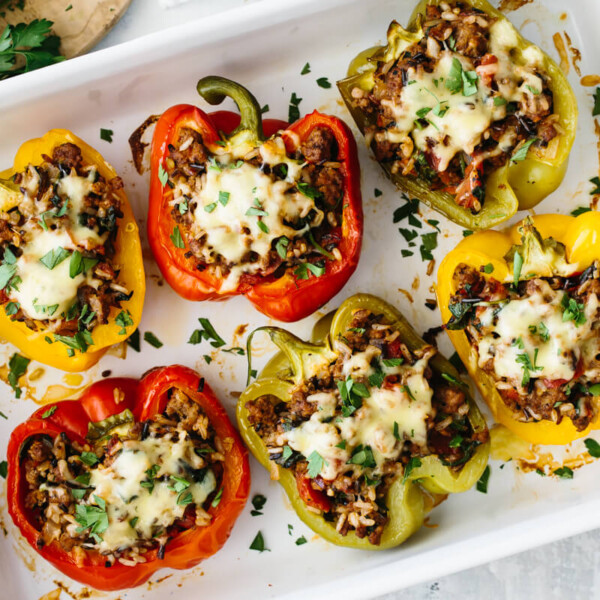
(264, 46)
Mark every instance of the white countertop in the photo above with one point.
(564, 569)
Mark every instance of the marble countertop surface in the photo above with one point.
(564, 569)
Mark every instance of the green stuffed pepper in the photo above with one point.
(367, 428)
(463, 113)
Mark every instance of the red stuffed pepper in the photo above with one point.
(132, 477)
(278, 219)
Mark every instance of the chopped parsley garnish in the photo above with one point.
(217, 499)
(150, 474)
(253, 211)
(305, 69)
(596, 109)
(456, 441)
(258, 543)
(564, 472)
(489, 268)
(482, 484)
(207, 333)
(541, 331)
(152, 339)
(133, 341)
(352, 395)
(281, 247)
(106, 135)
(573, 310)
(17, 368)
(3, 469)
(93, 518)
(89, 458)
(176, 238)
(467, 232)
(301, 540)
(377, 193)
(397, 432)
(593, 447)
(315, 464)
(517, 266)
(596, 182)
(528, 367)
(163, 176)
(49, 412)
(294, 111)
(324, 83)
(264, 109)
(522, 151)
(80, 341)
(533, 90)
(80, 264)
(580, 210)
(363, 456)
(303, 270)
(459, 80)
(258, 502)
(392, 362)
(594, 389)
(54, 257)
(224, 198)
(428, 243)
(124, 320)
(411, 465)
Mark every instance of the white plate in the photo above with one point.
(264, 46)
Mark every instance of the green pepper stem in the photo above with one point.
(214, 89)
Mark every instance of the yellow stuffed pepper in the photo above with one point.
(522, 310)
(463, 113)
(71, 272)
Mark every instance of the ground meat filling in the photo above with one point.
(57, 247)
(251, 216)
(363, 421)
(129, 492)
(454, 106)
(539, 341)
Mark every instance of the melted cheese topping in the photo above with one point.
(44, 293)
(41, 287)
(119, 485)
(461, 127)
(76, 188)
(557, 357)
(404, 407)
(233, 229)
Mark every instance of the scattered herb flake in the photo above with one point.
(106, 135)
(482, 484)
(152, 339)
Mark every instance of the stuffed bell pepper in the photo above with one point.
(522, 309)
(463, 113)
(71, 273)
(265, 209)
(132, 477)
(366, 430)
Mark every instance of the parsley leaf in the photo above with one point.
(305, 69)
(411, 465)
(596, 109)
(351, 394)
(124, 320)
(303, 269)
(482, 484)
(315, 464)
(17, 368)
(596, 182)
(106, 135)
(207, 333)
(163, 176)
(521, 153)
(564, 472)
(324, 83)
(152, 339)
(580, 210)
(54, 257)
(176, 238)
(294, 111)
(593, 447)
(258, 543)
(573, 310)
(32, 42)
(281, 247)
